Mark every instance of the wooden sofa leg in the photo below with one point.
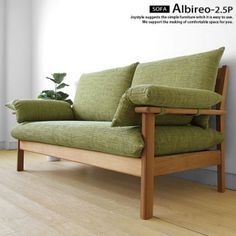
(20, 158)
(221, 170)
(147, 194)
(220, 178)
(221, 147)
(147, 166)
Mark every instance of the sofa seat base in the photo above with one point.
(123, 141)
(128, 165)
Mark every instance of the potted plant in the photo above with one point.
(56, 94)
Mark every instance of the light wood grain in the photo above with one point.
(222, 85)
(187, 111)
(220, 123)
(20, 158)
(181, 162)
(122, 164)
(147, 167)
(221, 88)
(67, 198)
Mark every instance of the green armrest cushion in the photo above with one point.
(176, 97)
(163, 96)
(126, 116)
(42, 110)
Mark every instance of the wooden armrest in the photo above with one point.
(186, 111)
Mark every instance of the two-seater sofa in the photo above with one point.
(144, 119)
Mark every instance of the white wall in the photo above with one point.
(2, 70)
(16, 59)
(75, 37)
(84, 36)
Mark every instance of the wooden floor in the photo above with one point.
(65, 198)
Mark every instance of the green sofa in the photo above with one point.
(134, 115)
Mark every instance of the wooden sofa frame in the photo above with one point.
(148, 166)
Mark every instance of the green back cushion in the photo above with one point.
(98, 94)
(197, 71)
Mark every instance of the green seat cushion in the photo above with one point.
(196, 71)
(162, 96)
(42, 110)
(183, 139)
(89, 135)
(125, 141)
(98, 93)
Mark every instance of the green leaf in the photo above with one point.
(46, 91)
(62, 95)
(10, 105)
(53, 80)
(58, 97)
(69, 101)
(59, 77)
(47, 94)
(42, 96)
(62, 85)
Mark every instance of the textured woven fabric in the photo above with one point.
(195, 71)
(98, 93)
(40, 110)
(127, 141)
(162, 96)
(202, 121)
(89, 135)
(125, 115)
(182, 139)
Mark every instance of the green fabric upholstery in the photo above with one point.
(98, 93)
(182, 139)
(126, 116)
(202, 121)
(162, 96)
(89, 135)
(196, 71)
(125, 141)
(41, 110)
